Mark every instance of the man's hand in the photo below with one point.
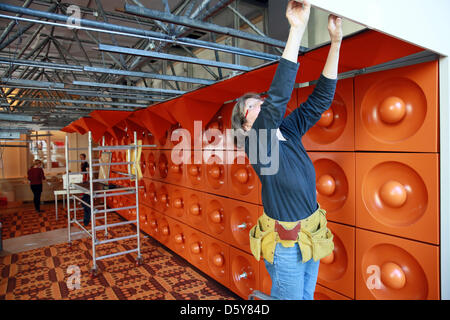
(335, 28)
(298, 14)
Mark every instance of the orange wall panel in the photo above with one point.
(335, 184)
(217, 215)
(178, 234)
(242, 217)
(196, 249)
(336, 271)
(219, 263)
(391, 268)
(177, 201)
(176, 167)
(195, 172)
(243, 183)
(150, 163)
(216, 176)
(162, 165)
(195, 210)
(244, 277)
(399, 194)
(397, 110)
(335, 130)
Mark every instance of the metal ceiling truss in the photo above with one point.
(44, 82)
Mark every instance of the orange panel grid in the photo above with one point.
(143, 215)
(215, 171)
(152, 218)
(214, 135)
(164, 231)
(173, 138)
(337, 271)
(151, 193)
(323, 293)
(148, 139)
(144, 192)
(162, 165)
(335, 184)
(150, 164)
(195, 171)
(397, 110)
(335, 129)
(143, 162)
(178, 234)
(244, 276)
(243, 216)
(243, 183)
(196, 249)
(176, 202)
(162, 197)
(217, 215)
(399, 196)
(176, 167)
(389, 268)
(218, 256)
(195, 209)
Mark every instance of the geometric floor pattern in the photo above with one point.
(63, 272)
(23, 222)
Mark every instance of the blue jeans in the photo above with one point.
(292, 279)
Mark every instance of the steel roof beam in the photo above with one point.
(149, 75)
(15, 117)
(172, 57)
(10, 26)
(118, 86)
(206, 26)
(128, 31)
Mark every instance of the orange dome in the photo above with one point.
(392, 275)
(326, 119)
(393, 194)
(392, 110)
(326, 185)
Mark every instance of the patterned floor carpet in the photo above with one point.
(25, 220)
(63, 272)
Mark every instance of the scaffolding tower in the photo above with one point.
(99, 189)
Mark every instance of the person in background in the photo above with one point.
(84, 167)
(35, 176)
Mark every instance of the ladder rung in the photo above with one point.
(115, 224)
(131, 176)
(117, 239)
(116, 209)
(124, 147)
(115, 194)
(111, 163)
(115, 254)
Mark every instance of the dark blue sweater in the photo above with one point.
(290, 193)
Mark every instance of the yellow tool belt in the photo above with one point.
(314, 238)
